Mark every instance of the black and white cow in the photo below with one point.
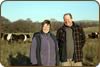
(1, 35)
(94, 35)
(5, 36)
(27, 35)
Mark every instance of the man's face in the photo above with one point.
(46, 28)
(68, 20)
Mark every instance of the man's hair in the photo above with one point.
(46, 22)
(68, 14)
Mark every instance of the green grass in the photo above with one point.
(7, 49)
(91, 47)
(89, 50)
(91, 29)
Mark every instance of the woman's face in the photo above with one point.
(46, 28)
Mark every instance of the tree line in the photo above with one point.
(28, 26)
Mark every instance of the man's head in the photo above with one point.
(68, 19)
(46, 26)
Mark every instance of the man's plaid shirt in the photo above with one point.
(79, 41)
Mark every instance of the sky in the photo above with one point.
(41, 10)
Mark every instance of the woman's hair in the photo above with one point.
(46, 22)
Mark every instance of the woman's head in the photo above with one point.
(46, 26)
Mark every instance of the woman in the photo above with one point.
(44, 48)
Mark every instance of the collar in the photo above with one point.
(44, 33)
(65, 26)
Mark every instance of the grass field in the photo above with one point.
(91, 48)
(18, 53)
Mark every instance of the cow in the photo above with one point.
(1, 35)
(28, 36)
(93, 35)
(6, 37)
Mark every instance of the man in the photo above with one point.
(71, 39)
(44, 48)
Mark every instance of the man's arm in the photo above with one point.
(82, 36)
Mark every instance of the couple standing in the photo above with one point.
(64, 49)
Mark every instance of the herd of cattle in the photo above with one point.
(12, 37)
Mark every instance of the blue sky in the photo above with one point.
(41, 10)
